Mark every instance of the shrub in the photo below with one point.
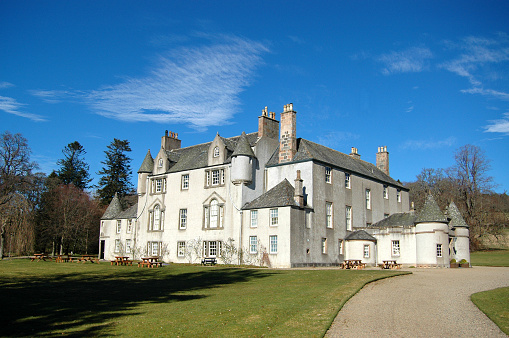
(463, 261)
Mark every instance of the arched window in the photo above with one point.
(213, 213)
(157, 218)
(216, 152)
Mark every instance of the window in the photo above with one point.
(348, 214)
(273, 217)
(328, 175)
(117, 245)
(181, 249)
(213, 215)
(340, 244)
(185, 181)
(273, 244)
(119, 226)
(215, 177)
(129, 226)
(395, 248)
(216, 152)
(156, 224)
(154, 248)
(386, 215)
(207, 180)
(398, 195)
(159, 185)
(324, 246)
(183, 219)
(253, 244)
(160, 163)
(213, 248)
(368, 199)
(347, 181)
(254, 218)
(366, 250)
(328, 214)
(386, 192)
(128, 246)
(439, 250)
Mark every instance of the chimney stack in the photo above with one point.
(170, 141)
(382, 160)
(299, 194)
(268, 125)
(288, 138)
(355, 153)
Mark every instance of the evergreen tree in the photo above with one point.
(73, 169)
(116, 172)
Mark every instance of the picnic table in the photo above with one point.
(88, 258)
(40, 257)
(150, 262)
(122, 260)
(63, 258)
(390, 264)
(353, 264)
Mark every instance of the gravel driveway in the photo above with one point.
(428, 303)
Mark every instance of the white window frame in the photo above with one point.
(156, 221)
(329, 215)
(396, 248)
(348, 183)
(274, 217)
(254, 218)
(128, 246)
(366, 250)
(324, 245)
(368, 199)
(159, 185)
(181, 249)
(386, 192)
(214, 214)
(185, 182)
(129, 228)
(154, 248)
(439, 250)
(340, 245)
(273, 244)
(183, 219)
(348, 217)
(215, 177)
(253, 244)
(160, 163)
(117, 245)
(328, 175)
(398, 195)
(216, 152)
(119, 226)
(213, 248)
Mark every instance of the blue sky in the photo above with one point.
(420, 77)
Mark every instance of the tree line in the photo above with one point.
(56, 213)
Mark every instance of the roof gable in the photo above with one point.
(282, 195)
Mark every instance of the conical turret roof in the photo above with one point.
(148, 164)
(113, 209)
(243, 147)
(455, 215)
(430, 212)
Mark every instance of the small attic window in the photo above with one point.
(216, 152)
(160, 163)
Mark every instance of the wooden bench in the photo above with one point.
(208, 261)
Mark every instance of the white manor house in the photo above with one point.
(270, 198)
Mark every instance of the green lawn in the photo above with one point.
(494, 304)
(46, 298)
(499, 257)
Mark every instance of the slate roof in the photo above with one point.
(282, 195)
(430, 212)
(360, 235)
(131, 212)
(196, 156)
(113, 209)
(243, 147)
(399, 219)
(310, 151)
(455, 215)
(148, 164)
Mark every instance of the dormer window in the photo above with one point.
(160, 163)
(216, 152)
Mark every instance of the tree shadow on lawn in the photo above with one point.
(47, 306)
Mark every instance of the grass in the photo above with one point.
(494, 304)
(75, 299)
(498, 257)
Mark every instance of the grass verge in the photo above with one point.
(75, 299)
(494, 304)
(499, 257)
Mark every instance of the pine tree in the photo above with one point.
(116, 172)
(73, 169)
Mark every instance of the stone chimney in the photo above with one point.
(355, 153)
(382, 160)
(268, 126)
(299, 193)
(170, 141)
(288, 137)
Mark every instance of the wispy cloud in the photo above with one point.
(487, 92)
(428, 144)
(410, 60)
(335, 139)
(499, 126)
(11, 106)
(199, 86)
(4, 84)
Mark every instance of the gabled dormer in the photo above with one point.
(161, 163)
(217, 152)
